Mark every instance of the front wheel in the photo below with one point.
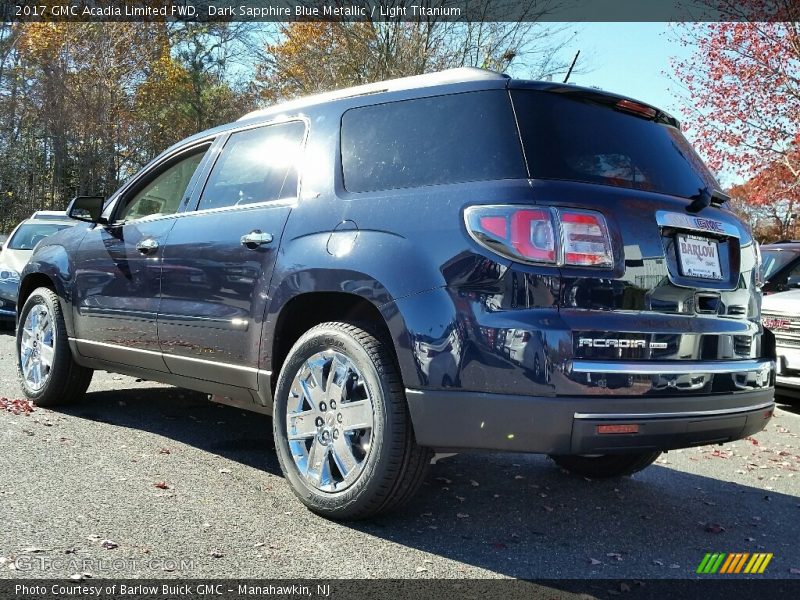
(46, 370)
(605, 466)
(341, 425)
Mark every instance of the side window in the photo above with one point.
(163, 195)
(456, 138)
(256, 165)
(795, 272)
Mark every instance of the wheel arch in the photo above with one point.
(308, 309)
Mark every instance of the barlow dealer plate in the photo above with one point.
(699, 257)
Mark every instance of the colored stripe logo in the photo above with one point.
(731, 563)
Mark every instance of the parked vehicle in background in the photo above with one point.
(17, 250)
(780, 313)
(780, 266)
(448, 262)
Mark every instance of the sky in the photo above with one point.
(632, 59)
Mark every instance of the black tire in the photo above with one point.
(395, 465)
(606, 465)
(67, 381)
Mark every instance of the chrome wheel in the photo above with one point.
(329, 421)
(37, 347)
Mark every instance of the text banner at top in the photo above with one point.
(401, 10)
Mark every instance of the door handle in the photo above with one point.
(256, 238)
(147, 246)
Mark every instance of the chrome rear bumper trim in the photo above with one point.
(671, 367)
(676, 415)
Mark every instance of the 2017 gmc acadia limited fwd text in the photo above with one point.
(456, 261)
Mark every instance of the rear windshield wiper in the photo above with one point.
(704, 198)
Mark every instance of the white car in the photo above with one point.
(780, 313)
(17, 250)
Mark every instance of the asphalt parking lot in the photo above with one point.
(144, 480)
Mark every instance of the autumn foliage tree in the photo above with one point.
(312, 57)
(742, 86)
(84, 105)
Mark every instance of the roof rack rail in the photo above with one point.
(787, 241)
(457, 75)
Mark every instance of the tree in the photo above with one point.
(312, 57)
(742, 86)
(84, 105)
(770, 202)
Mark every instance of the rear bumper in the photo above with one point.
(454, 420)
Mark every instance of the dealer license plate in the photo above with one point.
(699, 257)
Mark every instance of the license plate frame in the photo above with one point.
(698, 257)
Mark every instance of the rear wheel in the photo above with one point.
(341, 425)
(606, 465)
(47, 372)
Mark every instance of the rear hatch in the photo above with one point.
(682, 283)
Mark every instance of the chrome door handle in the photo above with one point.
(147, 246)
(256, 238)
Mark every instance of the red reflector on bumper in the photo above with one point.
(618, 428)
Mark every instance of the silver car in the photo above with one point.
(17, 250)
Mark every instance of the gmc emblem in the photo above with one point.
(774, 323)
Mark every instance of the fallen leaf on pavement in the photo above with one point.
(162, 485)
(16, 406)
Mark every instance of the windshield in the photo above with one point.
(30, 234)
(580, 136)
(773, 261)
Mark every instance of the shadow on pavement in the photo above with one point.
(517, 515)
(188, 417)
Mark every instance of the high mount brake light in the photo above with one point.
(555, 236)
(641, 110)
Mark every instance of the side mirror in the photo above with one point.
(793, 282)
(86, 208)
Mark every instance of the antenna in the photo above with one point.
(572, 66)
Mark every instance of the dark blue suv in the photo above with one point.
(456, 261)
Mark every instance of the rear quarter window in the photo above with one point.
(456, 138)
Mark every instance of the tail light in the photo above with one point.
(556, 236)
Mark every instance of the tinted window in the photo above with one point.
(445, 139)
(577, 137)
(256, 165)
(163, 195)
(29, 234)
(773, 261)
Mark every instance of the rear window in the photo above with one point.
(773, 261)
(427, 141)
(30, 234)
(581, 137)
